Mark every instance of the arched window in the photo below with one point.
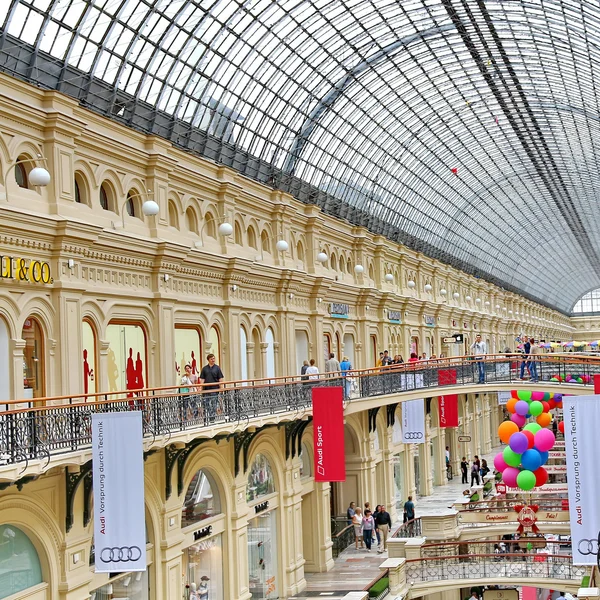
(305, 462)
(89, 358)
(130, 205)
(20, 564)
(270, 340)
(77, 191)
(211, 229)
(252, 238)
(201, 499)
(33, 359)
(300, 252)
(105, 196)
(260, 479)
(589, 303)
(191, 220)
(265, 242)
(21, 171)
(239, 240)
(173, 220)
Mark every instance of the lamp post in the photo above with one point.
(149, 208)
(225, 229)
(38, 176)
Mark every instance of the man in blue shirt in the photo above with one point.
(527, 351)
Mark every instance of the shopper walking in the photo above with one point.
(479, 350)
(350, 512)
(474, 473)
(211, 376)
(357, 521)
(464, 469)
(484, 469)
(377, 510)
(383, 522)
(409, 510)
(368, 526)
(312, 371)
(332, 365)
(303, 375)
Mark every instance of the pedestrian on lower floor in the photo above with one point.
(409, 510)
(377, 510)
(357, 521)
(368, 525)
(383, 522)
(474, 473)
(464, 469)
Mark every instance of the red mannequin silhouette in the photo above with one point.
(130, 379)
(194, 365)
(139, 373)
(88, 374)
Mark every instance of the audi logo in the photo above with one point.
(413, 435)
(123, 554)
(587, 547)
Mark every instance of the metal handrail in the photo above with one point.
(409, 529)
(63, 424)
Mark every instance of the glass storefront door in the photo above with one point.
(262, 556)
(205, 568)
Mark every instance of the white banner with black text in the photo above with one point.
(118, 476)
(582, 448)
(413, 422)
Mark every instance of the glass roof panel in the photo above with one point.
(460, 128)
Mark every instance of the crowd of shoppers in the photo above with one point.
(370, 527)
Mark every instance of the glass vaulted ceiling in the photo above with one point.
(466, 129)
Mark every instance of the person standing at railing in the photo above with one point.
(525, 361)
(211, 375)
(303, 375)
(479, 350)
(332, 365)
(312, 371)
(534, 351)
(383, 522)
(188, 387)
(346, 366)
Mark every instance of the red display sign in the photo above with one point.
(448, 404)
(328, 430)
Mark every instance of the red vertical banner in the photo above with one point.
(328, 432)
(596, 384)
(448, 404)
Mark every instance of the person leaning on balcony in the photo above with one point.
(211, 375)
(188, 386)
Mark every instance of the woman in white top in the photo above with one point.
(312, 371)
(357, 520)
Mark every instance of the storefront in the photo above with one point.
(203, 524)
(20, 567)
(262, 531)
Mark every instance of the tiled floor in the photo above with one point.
(355, 569)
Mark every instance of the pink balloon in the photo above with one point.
(509, 476)
(537, 396)
(543, 440)
(520, 420)
(499, 463)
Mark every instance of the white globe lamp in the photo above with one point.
(359, 269)
(150, 208)
(39, 177)
(389, 277)
(225, 229)
(282, 246)
(410, 283)
(322, 257)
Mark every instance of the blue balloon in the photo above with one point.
(544, 456)
(531, 460)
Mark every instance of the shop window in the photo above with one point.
(89, 358)
(305, 462)
(205, 569)
(127, 369)
(214, 339)
(262, 556)
(5, 360)
(188, 350)
(191, 220)
(326, 346)
(20, 566)
(33, 359)
(201, 499)
(243, 354)
(129, 586)
(260, 479)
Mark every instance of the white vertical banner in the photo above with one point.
(503, 398)
(118, 475)
(582, 447)
(413, 422)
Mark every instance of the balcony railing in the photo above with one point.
(409, 529)
(63, 424)
(495, 566)
(467, 548)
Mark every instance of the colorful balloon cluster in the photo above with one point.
(570, 378)
(521, 462)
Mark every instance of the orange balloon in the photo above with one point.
(510, 405)
(506, 429)
(544, 419)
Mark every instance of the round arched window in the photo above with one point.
(260, 479)
(305, 464)
(201, 499)
(20, 562)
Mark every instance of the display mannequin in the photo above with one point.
(193, 592)
(203, 589)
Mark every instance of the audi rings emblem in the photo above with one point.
(123, 554)
(587, 547)
(413, 435)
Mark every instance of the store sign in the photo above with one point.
(476, 516)
(582, 445)
(556, 469)
(328, 428)
(339, 311)
(118, 473)
(394, 316)
(24, 269)
(448, 403)
(202, 533)
(261, 507)
(429, 321)
(503, 398)
(501, 594)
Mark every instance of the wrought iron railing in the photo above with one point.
(409, 529)
(482, 566)
(63, 424)
(342, 540)
(500, 548)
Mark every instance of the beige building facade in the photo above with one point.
(96, 297)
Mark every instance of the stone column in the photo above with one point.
(263, 359)
(164, 370)
(238, 550)
(317, 539)
(250, 359)
(17, 348)
(425, 460)
(70, 345)
(487, 440)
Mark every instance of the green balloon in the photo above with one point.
(512, 459)
(533, 427)
(536, 408)
(524, 395)
(526, 480)
(547, 395)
